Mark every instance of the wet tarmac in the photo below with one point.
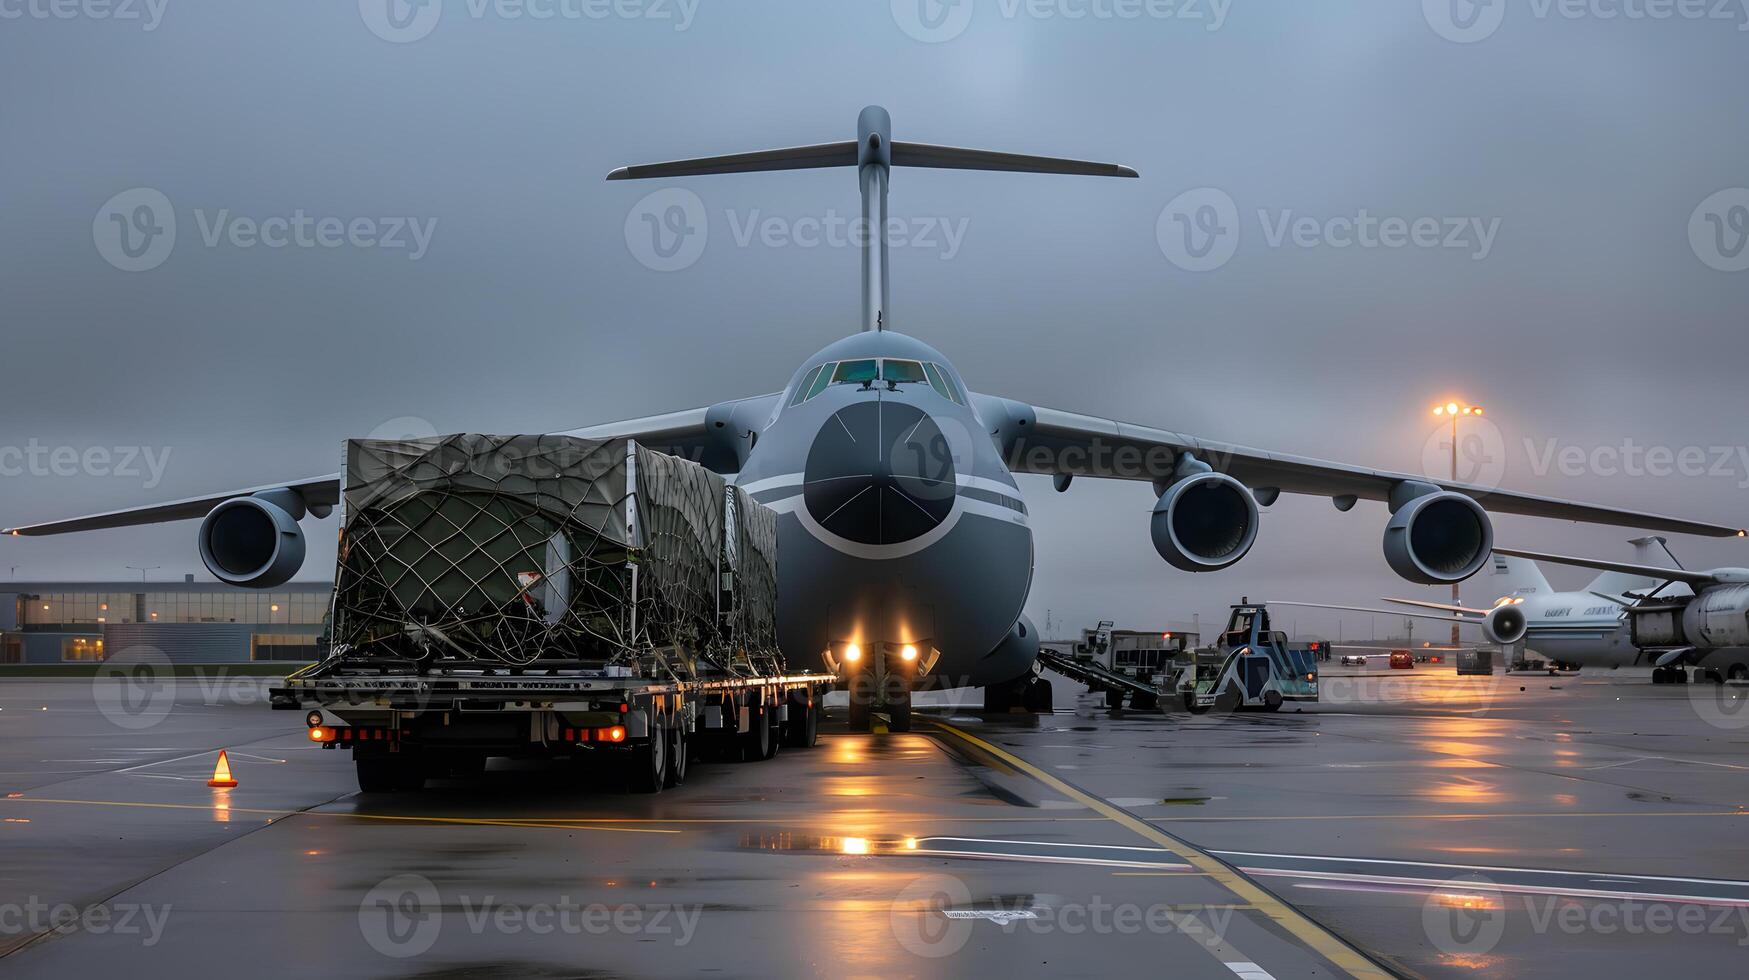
(1415, 823)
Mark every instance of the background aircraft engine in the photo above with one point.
(1505, 625)
(1204, 522)
(254, 542)
(1438, 538)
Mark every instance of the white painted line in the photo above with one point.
(1249, 971)
(1484, 867)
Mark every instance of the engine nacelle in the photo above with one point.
(1438, 537)
(254, 541)
(1505, 624)
(1204, 522)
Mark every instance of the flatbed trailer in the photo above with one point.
(548, 597)
(404, 728)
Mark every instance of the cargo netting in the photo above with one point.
(523, 549)
(750, 558)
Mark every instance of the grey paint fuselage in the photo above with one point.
(890, 540)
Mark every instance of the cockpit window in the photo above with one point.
(801, 394)
(867, 371)
(902, 372)
(938, 381)
(855, 372)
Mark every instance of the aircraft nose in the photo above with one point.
(879, 472)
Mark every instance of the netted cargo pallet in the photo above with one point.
(750, 562)
(524, 549)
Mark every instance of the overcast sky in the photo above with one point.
(1580, 276)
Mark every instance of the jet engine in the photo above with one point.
(1435, 536)
(1505, 624)
(254, 541)
(1204, 522)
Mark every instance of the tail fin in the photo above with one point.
(874, 153)
(1651, 550)
(1507, 575)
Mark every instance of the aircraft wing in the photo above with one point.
(704, 435)
(317, 491)
(1378, 612)
(1649, 571)
(1059, 443)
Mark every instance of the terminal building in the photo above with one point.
(189, 621)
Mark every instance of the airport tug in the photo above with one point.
(1250, 667)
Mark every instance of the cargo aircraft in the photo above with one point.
(905, 549)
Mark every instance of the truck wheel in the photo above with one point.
(1272, 700)
(376, 775)
(773, 730)
(1190, 704)
(756, 743)
(803, 730)
(1739, 672)
(647, 763)
(676, 758)
(1144, 702)
(1114, 699)
(409, 771)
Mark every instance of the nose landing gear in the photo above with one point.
(877, 686)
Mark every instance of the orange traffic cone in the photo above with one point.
(222, 773)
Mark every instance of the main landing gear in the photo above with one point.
(1029, 695)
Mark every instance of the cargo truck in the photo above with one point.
(592, 602)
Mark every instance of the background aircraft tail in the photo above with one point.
(1507, 575)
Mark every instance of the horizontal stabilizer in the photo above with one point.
(841, 154)
(960, 158)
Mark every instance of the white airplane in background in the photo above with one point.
(1587, 627)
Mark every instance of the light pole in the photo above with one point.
(143, 569)
(1454, 410)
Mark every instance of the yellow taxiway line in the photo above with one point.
(1314, 936)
